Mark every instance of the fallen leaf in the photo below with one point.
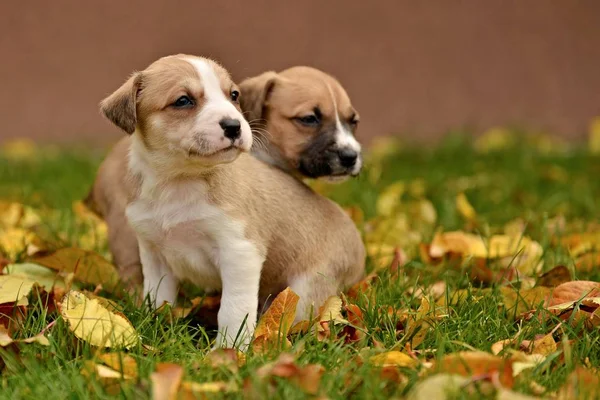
(195, 390)
(88, 267)
(16, 242)
(465, 209)
(109, 378)
(92, 322)
(477, 363)
(13, 215)
(121, 362)
(389, 198)
(274, 325)
(329, 312)
(6, 340)
(14, 289)
(308, 377)
(43, 276)
(582, 383)
(166, 381)
(224, 358)
(556, 276)
(574, 291)
(438, 387)
(393, 358)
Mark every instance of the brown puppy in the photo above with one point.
(303, 122)
(204, 210)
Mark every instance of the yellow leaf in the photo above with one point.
(465, 208)
(166, 381)
(14, 289)
(195, 390)
(438, 387)
(276, 322)
(331, 310)
(13, 215)
(393, 358)
(89, 267)
(594, 139)
(108, 377)
(120, 362)
(92, 322)
(18, 241)
(43, 276)
(389, 199)
(5, 338)
(96, 234)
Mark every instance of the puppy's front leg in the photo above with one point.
(240, 277)
(159, 281)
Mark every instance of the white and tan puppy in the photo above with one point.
(204, 210)
(303, 122)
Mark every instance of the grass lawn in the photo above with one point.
(531, 191)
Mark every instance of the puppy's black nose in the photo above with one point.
(231, 128)
(347, 157)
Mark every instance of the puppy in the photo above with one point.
(309, 121)
(303, 122)
(204, 210)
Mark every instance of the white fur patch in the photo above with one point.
(343, 137)
(183, 237)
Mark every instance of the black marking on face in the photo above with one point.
(317, 157)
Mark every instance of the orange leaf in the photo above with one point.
(477, 363)
(275, 324)
(166, 381)
(308, 377)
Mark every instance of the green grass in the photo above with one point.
(520, 181)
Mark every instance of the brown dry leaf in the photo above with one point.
(6, 340)
(582, 383)
(224, 358)
(274, 325)
(543, 345)
(308, 377)
(574, 291)
(166, 381)
(556, 276)
(92, 322)
(88, 267)
(121, 362)
(477, 363)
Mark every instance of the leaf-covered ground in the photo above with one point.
(482, 283)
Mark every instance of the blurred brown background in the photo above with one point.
(415, 68)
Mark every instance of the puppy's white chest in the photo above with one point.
(189, 234)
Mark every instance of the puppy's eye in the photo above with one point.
(234, 95)
(183, 102)
(353, 121)
(309, 120)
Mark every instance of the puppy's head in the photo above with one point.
(183, 108)
(309, 118)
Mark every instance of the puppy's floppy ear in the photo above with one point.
(120, 107)
(255, 93)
